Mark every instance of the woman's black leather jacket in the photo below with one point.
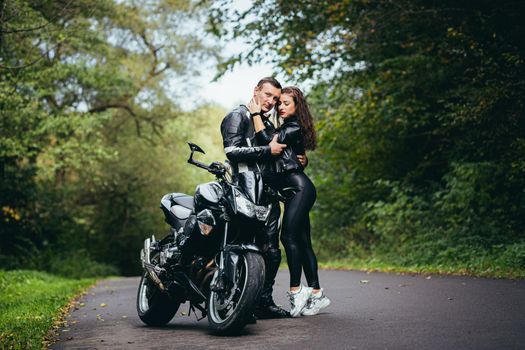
(290, 134)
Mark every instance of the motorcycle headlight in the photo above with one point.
(244, 206)
(262, 212)
(206, 221)
(251, 210)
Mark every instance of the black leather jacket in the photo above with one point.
(238, 136)
(290, 134)
(248, 158)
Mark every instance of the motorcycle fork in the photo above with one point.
(218, 284)
(225, 239)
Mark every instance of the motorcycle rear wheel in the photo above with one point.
(229, 311)
(154, 307)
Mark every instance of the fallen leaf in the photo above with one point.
(364, 281)
(124, 316)
(429, 277)
(103, 304)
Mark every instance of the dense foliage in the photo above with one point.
(90, 129)
(419, 108)
(420, 113)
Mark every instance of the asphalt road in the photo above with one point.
(368, 311)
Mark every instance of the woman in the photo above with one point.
(298, 133)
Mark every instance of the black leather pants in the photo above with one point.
(295, 233)
(271, 253)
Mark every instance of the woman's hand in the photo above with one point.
(254, 106)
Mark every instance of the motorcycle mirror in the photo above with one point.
(195, 148)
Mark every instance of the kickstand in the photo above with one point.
(192, 308)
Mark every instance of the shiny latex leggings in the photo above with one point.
(295, 233)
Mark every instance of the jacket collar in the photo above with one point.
(290, 119)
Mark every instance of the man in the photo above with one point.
(249, 159)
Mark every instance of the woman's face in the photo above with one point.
(286, 106)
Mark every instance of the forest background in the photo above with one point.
(419, 109)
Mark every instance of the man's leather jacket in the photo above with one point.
(249, 161)
(240, 145)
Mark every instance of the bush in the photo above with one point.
(81, 266)
(76, 265)
(466, 225)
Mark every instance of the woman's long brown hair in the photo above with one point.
(305, 119)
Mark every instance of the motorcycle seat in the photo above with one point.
(180, 212)
(177, 198)
(184, 200)
(177, 207)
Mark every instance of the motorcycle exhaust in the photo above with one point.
(150, 268)
(147, 250)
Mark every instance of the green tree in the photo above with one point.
(81, 82)
(419, 110)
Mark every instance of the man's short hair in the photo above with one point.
(269, 80)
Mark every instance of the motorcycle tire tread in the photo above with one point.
(162, 307)
(247, 303)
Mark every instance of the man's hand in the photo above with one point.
(276, 147)
(302, 159)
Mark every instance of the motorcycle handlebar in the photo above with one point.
(215, 168)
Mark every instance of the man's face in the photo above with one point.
(268, 95)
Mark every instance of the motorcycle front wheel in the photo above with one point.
(229, 310)
(154, 307)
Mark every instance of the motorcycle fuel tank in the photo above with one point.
(207, 196)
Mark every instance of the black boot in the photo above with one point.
(267, 309)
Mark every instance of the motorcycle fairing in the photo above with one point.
(251, 184)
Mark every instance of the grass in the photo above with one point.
(479, 270)
(33, 303)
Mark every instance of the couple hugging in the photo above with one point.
(276, 150)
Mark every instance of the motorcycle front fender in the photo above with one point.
(241, 248)
(231, 258)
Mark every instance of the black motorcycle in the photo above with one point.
(209, 258)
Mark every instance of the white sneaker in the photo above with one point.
(298, 300)
(315, 304)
